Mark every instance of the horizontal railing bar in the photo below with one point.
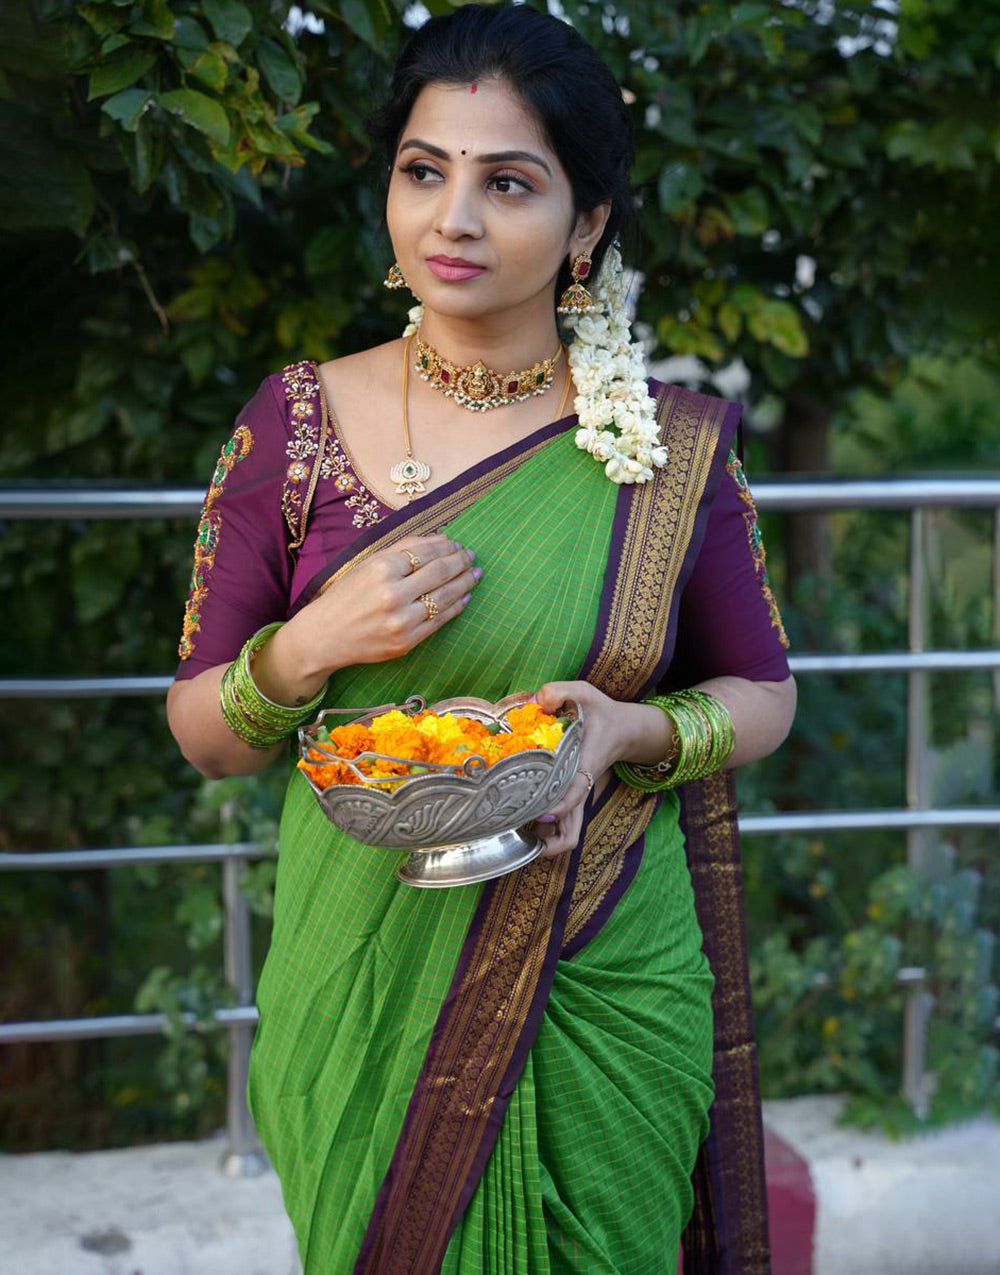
(81, 687)
(906, 975)
(818, 662)
(791, 496)
(751, 825)
(893, 662)
(67, 860)
(51, 1030)
(53, 501)
(869, 820)
(783, 495)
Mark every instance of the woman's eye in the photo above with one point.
(418, 171)
(511, 184)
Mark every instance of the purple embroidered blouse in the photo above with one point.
(244, 576)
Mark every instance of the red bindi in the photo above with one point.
(474, 88)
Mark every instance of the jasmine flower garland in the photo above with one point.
(617, 415)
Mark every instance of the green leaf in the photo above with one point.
(200, 112)
(778, 323)
(730, 320)
(157, 21)
(679, 186)
(211, 69)
(119, 71)
(951, 143)
(102, 18)
(749, 211)
(127, 107)
(280, 71)
(357, 16)
(231, 21)
(190, 34)
(205, 232)
(295, 124)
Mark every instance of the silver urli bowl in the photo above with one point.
(462, 824)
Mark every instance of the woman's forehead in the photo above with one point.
(491, 118)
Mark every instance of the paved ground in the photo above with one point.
(842, 1203)
(928, 1205)
(163, 1210)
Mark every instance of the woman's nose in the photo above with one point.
(458, 213)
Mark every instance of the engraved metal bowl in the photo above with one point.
(461, 824)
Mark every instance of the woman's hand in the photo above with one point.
(374, 612)
(762, 714)
(605, 726)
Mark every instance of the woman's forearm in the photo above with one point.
(762, 714)
(196, 722)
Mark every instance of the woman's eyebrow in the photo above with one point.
(497, 157)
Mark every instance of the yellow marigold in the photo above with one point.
(447, 729)
(547, 736)
(393, 720)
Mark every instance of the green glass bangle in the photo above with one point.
(257, 720)
(239, 721)
(705, 740)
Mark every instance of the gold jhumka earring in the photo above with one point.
(576, 299)
(394, 279)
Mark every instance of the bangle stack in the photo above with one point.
(703, 740)
(248, 713)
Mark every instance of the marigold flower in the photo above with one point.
(427, 737)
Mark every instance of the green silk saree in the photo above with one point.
(517, 1076)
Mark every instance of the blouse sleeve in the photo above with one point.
(728, 621)
(241, 575)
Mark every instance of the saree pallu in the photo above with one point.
(514, 1076)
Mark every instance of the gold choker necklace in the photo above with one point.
(477, 386)
(410, 475)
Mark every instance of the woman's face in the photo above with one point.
(474, 179)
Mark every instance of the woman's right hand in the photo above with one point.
(376, 611)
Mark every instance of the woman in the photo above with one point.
(514, 1076)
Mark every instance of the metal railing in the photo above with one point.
(912, 495)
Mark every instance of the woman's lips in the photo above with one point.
(445, 271)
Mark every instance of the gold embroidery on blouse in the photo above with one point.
(207, 540)
(314, 452)
(756, 541)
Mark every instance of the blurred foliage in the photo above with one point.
(189, 204)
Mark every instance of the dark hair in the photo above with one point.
(559, 78)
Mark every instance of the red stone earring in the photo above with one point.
(576, 299)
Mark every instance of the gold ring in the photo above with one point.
(589, 778)
(414, 560)
(430, 605)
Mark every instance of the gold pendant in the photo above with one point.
(409, 476)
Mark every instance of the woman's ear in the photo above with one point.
(589, 228)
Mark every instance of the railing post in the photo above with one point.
(918, 1001)
(243, 1156)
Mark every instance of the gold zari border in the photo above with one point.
(710, 818)
(656, 542)
(440, 1143)
(660, 526)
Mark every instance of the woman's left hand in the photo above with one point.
(602, 738)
